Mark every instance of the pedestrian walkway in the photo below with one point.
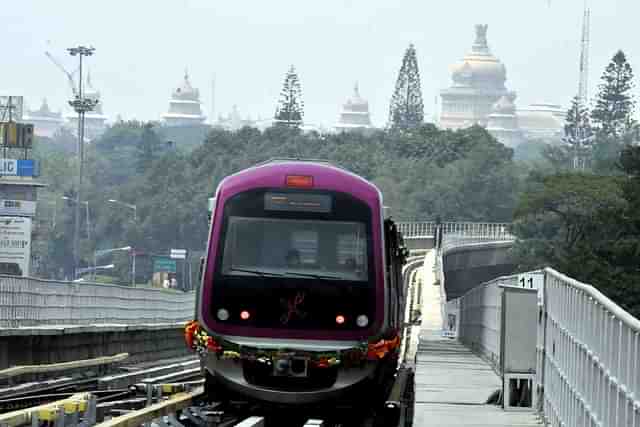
(452, 383)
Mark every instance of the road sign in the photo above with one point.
(178, 254)
(165, 264)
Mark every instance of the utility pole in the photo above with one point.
(81, 105)
(583, 87)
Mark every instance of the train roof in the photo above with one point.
(326, 176)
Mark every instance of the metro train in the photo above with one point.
(301, 298)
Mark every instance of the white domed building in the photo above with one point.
(502, 123)
(45, 122)
(355, 114)
(184, 106)
(478, 83)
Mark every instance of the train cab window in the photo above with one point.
(293, 247)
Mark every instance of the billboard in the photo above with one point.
(17, 207)
(15, 246)
(16, 135)
(13, 167)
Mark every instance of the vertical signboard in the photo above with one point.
(15, 246)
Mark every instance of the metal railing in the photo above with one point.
(588, 357)
(428, 228)
(587, 351)
(28, 302)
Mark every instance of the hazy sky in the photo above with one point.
(143, 47)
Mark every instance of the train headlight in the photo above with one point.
(362, 321)
(223, 314)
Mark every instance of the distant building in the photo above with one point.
(46, 122)
(502, 123)
(542, 121)
(95, 120)
(184, 106)
(355, 114)
(478, 96)
(478, 83)
(233, 121)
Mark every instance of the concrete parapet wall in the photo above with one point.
(26, 302)
(34, 346)
(468, 266)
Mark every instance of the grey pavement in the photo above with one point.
(452, 383)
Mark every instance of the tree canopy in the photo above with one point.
(290, 109)
(407, 109)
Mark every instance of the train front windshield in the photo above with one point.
(333, 249)
(282, 246)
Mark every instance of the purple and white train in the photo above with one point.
(301, 286)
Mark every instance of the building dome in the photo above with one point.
(356, 103)
(480, 68)
(185, 91)
(355, 113)
(478, 86)
(184, 106)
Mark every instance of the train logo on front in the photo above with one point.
(292, 306)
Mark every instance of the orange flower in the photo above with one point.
(381, 348)
(189, 332)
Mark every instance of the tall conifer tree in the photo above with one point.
(578, 134)
(290, 109)
(407, 109)
(613, 112)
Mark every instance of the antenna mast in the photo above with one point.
(583, 88)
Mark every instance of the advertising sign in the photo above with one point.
(164, 264)
(17, 207)
(15, 246)
(16, 135)
(12, 167)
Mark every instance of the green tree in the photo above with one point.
(407, 109)
(290, 109)
(578, 135)
(149, 148)
(613, 112)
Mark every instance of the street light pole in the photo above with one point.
(133, 250)
(81, 105)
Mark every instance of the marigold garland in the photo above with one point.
(199, 341)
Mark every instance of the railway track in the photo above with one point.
(183, 405)
(105, 389)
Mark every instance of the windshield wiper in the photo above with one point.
(315, 276)
(256, 272)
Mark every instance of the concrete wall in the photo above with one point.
(467, 266)
(35, 346)
(416, 243)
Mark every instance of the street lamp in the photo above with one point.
(93, 270)
(81, 105)
(135, 209)
(133, 251)
(102, 252)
